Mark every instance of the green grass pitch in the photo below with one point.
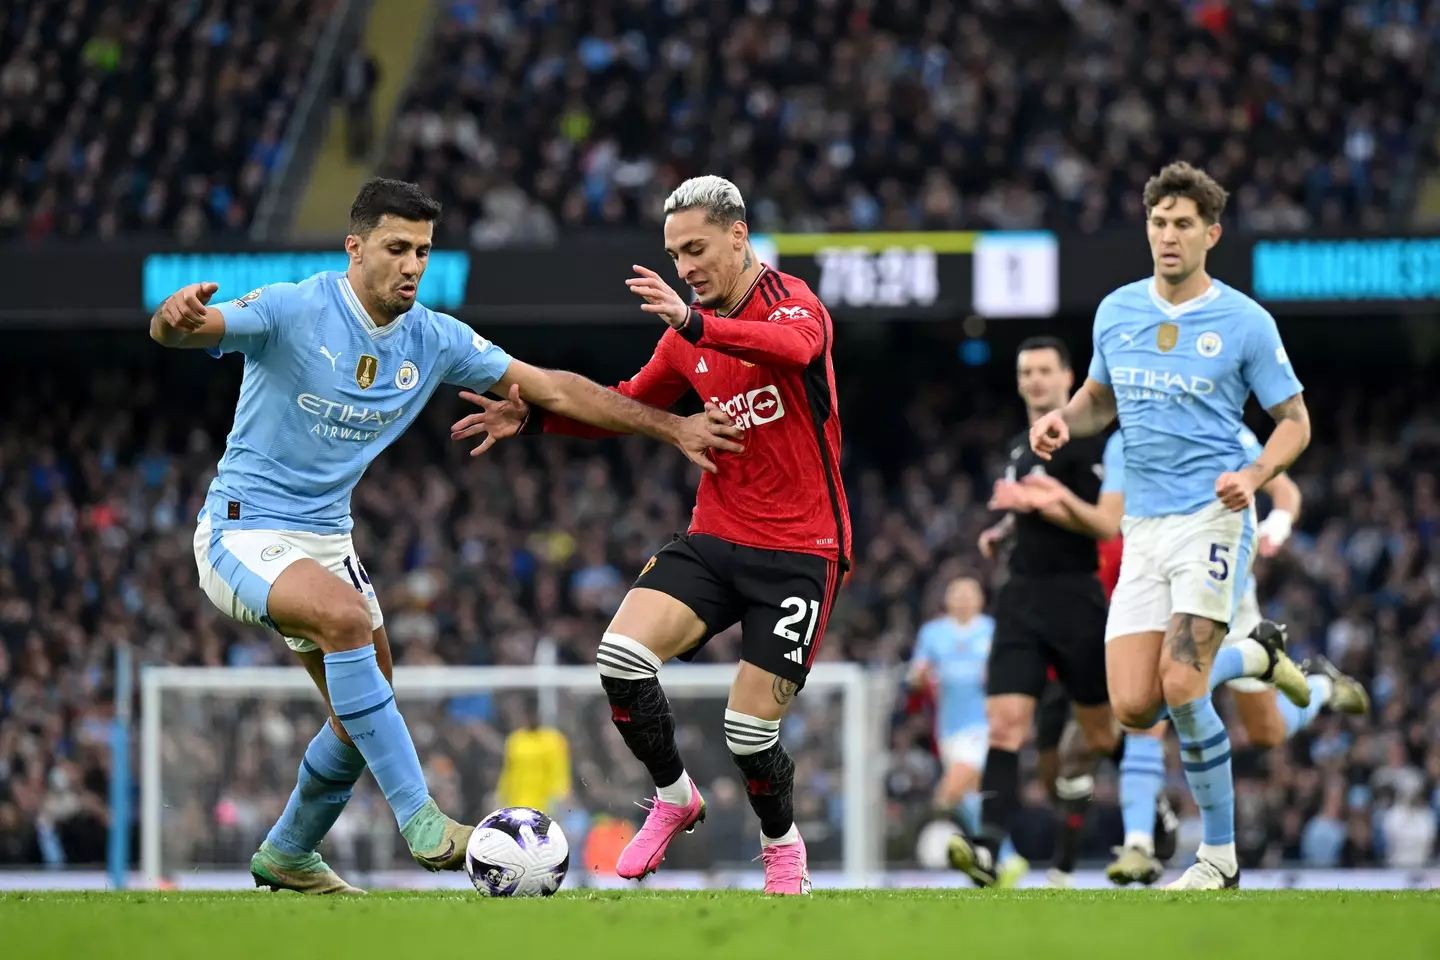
(637, 925)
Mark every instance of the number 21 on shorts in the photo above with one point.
(1220, 560)
(801, 609)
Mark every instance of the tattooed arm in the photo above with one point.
(1286, 443)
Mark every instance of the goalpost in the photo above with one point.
(219, 748)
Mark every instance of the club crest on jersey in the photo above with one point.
(365, 370)
(1166, 336)
(407, 376)
(1209, 344)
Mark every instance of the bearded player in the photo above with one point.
(769, 541)
(336, 368)
(1176, 356)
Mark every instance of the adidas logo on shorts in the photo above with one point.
(794, 656)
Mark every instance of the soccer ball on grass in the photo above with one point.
(517, 852)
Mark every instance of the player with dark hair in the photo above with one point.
(336, 368)
(1049, 616)
(769, 541)
(1175, 357)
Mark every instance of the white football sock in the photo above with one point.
(1142, 841)
(679, 793)
(789, 836)
(1254, 655)
(1222, 855)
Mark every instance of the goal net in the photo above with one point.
(219, 750)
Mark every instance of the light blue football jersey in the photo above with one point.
(958, 653)
(1181, 376)
(1113, 463)
(324, 391)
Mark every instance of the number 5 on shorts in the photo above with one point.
(1219, 554)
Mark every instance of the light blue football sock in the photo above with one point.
(1142, 777)
(1298, 718)
(1229, 665)
(366, 707)
(1205, 756)
(327, 778)
(970, 813)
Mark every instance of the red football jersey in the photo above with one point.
(1109, 572)
(768, 366)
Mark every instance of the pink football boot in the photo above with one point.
(663, 823)
(786, 868)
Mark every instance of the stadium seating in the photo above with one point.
(857, 115)
(489, 564)
(158, 118)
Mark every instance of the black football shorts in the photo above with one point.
(781, 599)
(1047, 621)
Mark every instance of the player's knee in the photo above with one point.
(1135, 712)
(346, 626)
(1009, 724)
(747, 736)
(623, 662)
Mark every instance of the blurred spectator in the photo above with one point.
(161, 118)
(359, 75)
(898, 115)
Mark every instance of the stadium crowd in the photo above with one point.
(519, 559)
(897, 115)
(149, 117)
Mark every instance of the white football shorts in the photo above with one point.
(1194, 563)
(238, 567)
(1247, 618)
(969, 746)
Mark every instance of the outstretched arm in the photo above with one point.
(657, 384)
(574, 397)
(185, 319)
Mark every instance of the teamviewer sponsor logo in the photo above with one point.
(753, 408)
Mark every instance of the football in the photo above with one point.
(517, 852)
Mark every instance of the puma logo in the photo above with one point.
(332, 357)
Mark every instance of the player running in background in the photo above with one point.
(1268, 717)
(1176, 356)
(950, 657)
(1049, 614)
(769, 541)
(336, 368)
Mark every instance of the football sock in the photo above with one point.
(1074, 794)
(327, 778)
(768, 770)
(641, 712)
(365, 704)
(1244, 658)
(1298, 718)
(1205, 756)
(1142, 777)
(969, 812)
(1000, 786)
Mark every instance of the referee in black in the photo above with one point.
(1050, 614)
